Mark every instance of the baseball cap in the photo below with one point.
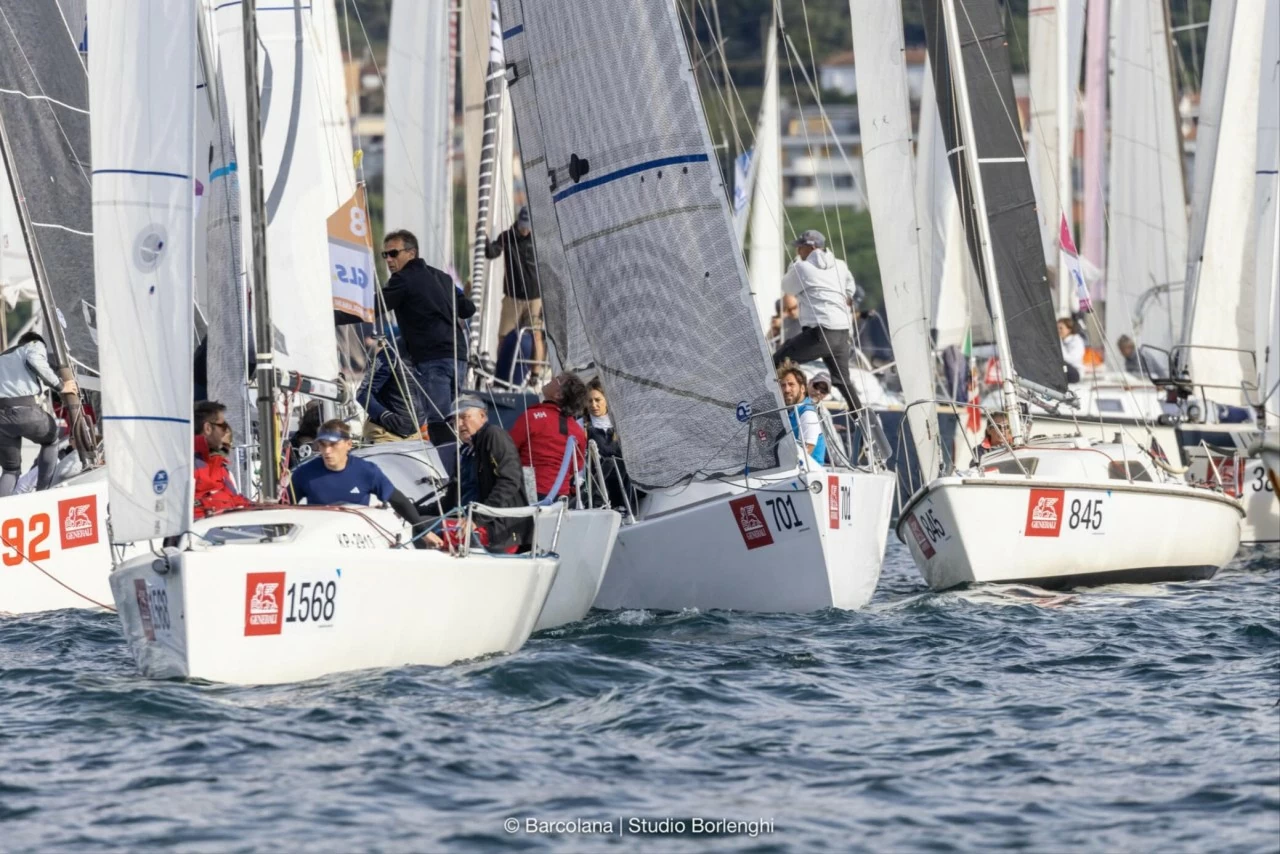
(333, 431)
(465, 403)
(821, 378)
(523, 216)
(812, 238)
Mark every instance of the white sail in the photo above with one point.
(1147, 244)
(885, 118)
(1218, 323)
(16, 282)
(419, 137)
(766, 257)
(142, 74)
(1055, 39)
(1266, 204)
(331, 90)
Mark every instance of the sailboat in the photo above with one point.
(270, 594)
(1052, 511)
(636, 246)
(53, 544)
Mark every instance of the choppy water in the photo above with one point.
(1125, 718)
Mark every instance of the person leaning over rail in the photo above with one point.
(338, 478)
(24, 374)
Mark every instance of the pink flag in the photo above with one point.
(1068, 247)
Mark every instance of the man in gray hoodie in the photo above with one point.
(826, 292)
(24, 373)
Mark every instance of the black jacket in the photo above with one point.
(520, 263)
(606, 440)
(425, 300)
(500, 483)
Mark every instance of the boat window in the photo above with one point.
(1024, 465)
(250, 534)
(1110, 404)
(1128, 470)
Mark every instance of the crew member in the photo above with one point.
(24, 373)
(997, 435)
(805, 424)
(215, 489)
(499, 477)
(339, 478)
(521, 290)
(542, 434)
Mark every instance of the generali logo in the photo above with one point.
(750, 519)
(144, 608)
(78, 521)
(926, 547)
(1044, 513)
(262, 594)
(833, 501)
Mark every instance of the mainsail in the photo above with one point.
(765, 256)
(1218, 312)
(885, 117)
(44, 112)
(1027, 303)
(142, 72)
(1148, 239)
(419, 137)
(1267, 207)
(615, 141)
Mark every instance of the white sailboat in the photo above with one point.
(262, 595)
(631, 215)
(1050, 511)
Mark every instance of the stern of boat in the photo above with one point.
(584, 543)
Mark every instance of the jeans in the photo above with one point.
(439, 380)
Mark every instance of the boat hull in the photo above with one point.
(1075, 534)
(324, 603)
(584, 545)
(791, 545)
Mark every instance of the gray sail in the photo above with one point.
(1015, 232)
(44, 108)
(620, 175)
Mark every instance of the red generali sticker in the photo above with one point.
(144, 608)
(833, 500)
(926, 547)
(1044, 513)
(750, 519)
(262, 594)
(78, 521)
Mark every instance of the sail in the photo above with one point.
(1266, 205)
(335, 111)
(1055, 39)
(1218, 312)
(142, 73)
(638, 204)
(1028, 303)
(1147, 252)
(17, 284)
(419, 137)
(885, 117)
(44, 111)
(766, 257)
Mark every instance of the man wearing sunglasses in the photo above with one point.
(215, 490)
(430, 311)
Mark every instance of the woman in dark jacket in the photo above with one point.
(600, 430)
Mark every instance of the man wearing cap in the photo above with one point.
(819, 387)
(339, 478)
(826, 293)
(520, 286)
(499, 476)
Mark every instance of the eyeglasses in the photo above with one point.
(393, 253)
(220, 424)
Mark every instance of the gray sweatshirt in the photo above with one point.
(23, 368)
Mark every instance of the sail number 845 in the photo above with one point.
(1086, 514)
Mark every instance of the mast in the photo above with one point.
(84, 441)
(1095, 137)
(1065, 101)
(979, 201)
(493, 82)
(265, 367)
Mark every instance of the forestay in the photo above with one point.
(885, 117)
(1218, 321)
(419, 139)
(1147, 247)
(44, 108)
(637, 202)
(142, 73)
(1028, 304)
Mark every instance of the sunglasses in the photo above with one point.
(393, 253)
(220, 424)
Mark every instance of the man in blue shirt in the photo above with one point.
(339, 478)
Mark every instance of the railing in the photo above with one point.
(876, 445)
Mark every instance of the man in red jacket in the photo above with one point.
(215, 490)
(542, 433)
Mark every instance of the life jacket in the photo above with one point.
(819, 447)
(214, 491)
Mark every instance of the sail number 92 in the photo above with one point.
(1086, 514)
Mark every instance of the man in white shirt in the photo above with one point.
(825, 288)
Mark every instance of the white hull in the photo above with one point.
(1246, 478)
(54, 538)
(585, 545)
(963, 530)
(251, 613)
(777, 547)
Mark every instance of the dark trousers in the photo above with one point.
(829, 345)
(35, 425)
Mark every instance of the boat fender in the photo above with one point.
(165, 562)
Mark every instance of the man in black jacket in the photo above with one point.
(499, 475)
(521, 289)
(430, 311)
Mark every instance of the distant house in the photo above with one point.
(837, 73)
(821, 157)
